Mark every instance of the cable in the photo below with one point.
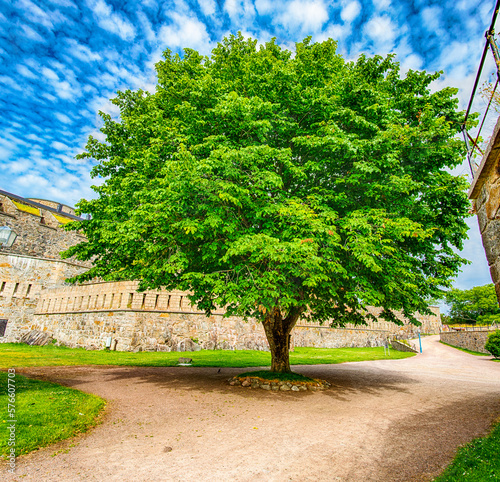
(483, 57)
(484, 116)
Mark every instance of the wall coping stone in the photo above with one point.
(52, 260)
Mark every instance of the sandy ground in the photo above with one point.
(398, 420)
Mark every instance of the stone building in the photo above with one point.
(34, 298)
(485, 195)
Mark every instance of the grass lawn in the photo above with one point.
(44, 412)
(477, 461)
(21, 355)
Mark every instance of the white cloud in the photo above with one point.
(65, 90)
(25, 72)
(81, 52)
(412, 61)
(64, 3)
(431, 17)
(239, 9)
(184, 32)
(111, 21)
(49, 97)
(18, 166)
(103, 104)
(147, 28)
(34, 13)
(68, 88)
(63, 118)
(4, 79)
(34, 137)
(334, 31)
(31, 180)
(49, 74)
(208, 7)
(4, 153)
(350, 11)
(264, 6)
(309, 15)
(382, 4)
(32, 34)
(60, 146)
(380, 29)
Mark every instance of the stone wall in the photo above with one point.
(34, 296)
(485, 195)
(33, 262)
(22, 280)
(326, 337)
(87, 315)
(473, 340)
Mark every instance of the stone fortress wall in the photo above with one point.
(474, 339)
(35, 296)
(485, 195)
(88, 315)
(32, 263)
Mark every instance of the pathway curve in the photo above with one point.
(394, 420)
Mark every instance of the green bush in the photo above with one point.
(493, 343)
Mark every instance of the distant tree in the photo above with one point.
(281, 186)
(479, 305)
(493, 343)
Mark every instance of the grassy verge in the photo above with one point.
(20, 355)
(44, 412)
(470, 352)
(479, 460)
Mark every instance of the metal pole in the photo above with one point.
(420, 342)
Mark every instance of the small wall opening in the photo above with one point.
(3, 326)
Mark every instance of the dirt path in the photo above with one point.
(398, 420)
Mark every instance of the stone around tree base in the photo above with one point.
(279, 385)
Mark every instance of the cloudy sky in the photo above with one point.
(62, 60)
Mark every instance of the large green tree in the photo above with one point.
(280, 186)
(479, 305)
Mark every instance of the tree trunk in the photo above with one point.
(277, 331)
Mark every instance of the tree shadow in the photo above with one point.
(345, 381)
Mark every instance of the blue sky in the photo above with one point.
(62, 60)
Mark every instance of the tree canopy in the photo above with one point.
(280, 185)
(479, 305)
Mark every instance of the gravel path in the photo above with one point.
(398, 420)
